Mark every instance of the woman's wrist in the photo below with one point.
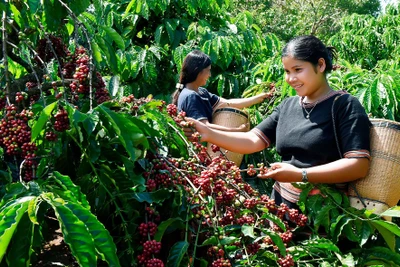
(304, 176)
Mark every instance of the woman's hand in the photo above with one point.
(261, 97)
(193, 127)
(282, 172)
(242, 128)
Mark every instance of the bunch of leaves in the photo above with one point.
(375, 89)
(365, 40)
(362, 237)
(23, 218)
(292, 18)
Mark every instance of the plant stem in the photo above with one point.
(5, 59)
(90, 52)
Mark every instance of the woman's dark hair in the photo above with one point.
(192, 65)
(309, 48)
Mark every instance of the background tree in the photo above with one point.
(297, 17)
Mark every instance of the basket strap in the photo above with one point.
(338, 147)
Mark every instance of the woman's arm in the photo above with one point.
(240, 142)
(242, 128)
(241, 102)
(339, 171)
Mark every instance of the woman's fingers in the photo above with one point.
(272, 172)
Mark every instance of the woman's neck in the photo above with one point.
(318, 95)
(192, 86)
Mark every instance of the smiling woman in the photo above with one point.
(301, 125)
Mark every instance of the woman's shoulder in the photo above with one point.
(290, 100)
(347, 98)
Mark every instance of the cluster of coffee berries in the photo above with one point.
(154, 263)
(77, 67)
(147, 229)
(15, 132)
(20, 96)
(46, 46)
(61, 123)
(172, 110)
(286, 261)
(128, 99)
(338, 67)
(15, 137)
(51, 136)
(150, 248)
(221, 262)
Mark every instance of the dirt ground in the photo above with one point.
(55, 252)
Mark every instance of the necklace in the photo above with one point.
(308, 112)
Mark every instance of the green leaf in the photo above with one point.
(17, 16)
(157, 197)
(103, 241)
(387, 257)
(277, 240)
(176, 253)
(374, 94)
(114, 87)
(248, 230)
(386, 232)
(10, 217)
(53, 14)
(337, 197)
(176, 222)
(114, 36)
(33, 208)
(275, 219)
(43, 118)
(210, 241)
(33, 5)
(337, 226)
(323, 217)
(96, 51)
(75, 233)
(392, 212)
(170, 26)
(79, 6)
(392, 227)
(221, 84)
(347, 261)
(127, 132)
(322, 243)
(351, 233)
(229, 240)
(70, 28)
(128, 8)
(66, 183)
(21, 247)
(109, 53)
(366, 232)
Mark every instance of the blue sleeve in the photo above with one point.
(214, 99)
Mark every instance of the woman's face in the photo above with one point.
(204, 75)
(305, 78)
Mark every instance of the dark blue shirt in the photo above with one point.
(197, 105)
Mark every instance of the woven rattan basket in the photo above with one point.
(229, 117)
(380, 189)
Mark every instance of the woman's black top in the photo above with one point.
(305, 142)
